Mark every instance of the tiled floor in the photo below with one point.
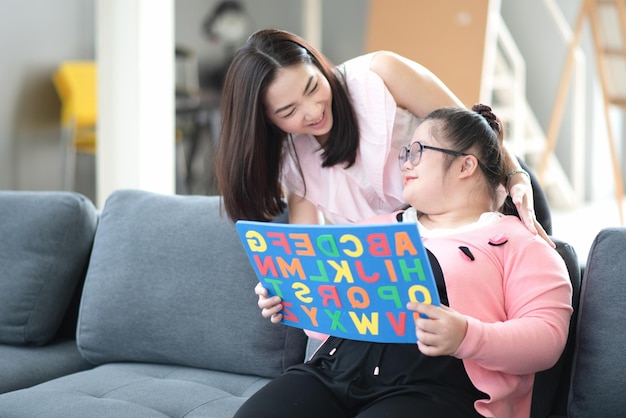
(580, 225)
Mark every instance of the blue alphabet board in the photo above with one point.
(349, 281)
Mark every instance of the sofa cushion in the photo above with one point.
(44, 252)
(24, 366)
(598, 383)
(130, 390)
(169, 282)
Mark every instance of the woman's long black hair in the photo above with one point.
(250, 148)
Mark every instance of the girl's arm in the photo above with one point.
(537, 298)
(270, 306)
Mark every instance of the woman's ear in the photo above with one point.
(468, 166)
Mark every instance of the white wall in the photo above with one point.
(36, 35)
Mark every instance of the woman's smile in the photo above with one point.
(319, 123)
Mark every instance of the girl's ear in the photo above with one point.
(469, 166)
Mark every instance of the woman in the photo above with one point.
(506, 299)
(325, 138)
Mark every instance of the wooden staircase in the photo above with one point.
(504, 86)
(607, 20)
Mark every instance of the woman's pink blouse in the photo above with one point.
(373, 185)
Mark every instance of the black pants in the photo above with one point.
(357, 379)
(295, 395)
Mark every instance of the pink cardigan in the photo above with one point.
(516, 296)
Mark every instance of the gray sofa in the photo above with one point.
(45, 245)
(147, 310)
(167, 325)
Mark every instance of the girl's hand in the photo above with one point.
(270, 307)
(442, 332)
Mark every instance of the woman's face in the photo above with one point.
(299, 101)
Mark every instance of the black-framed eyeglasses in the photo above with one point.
(413, 153)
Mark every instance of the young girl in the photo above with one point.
(325, 138)
(506, 299)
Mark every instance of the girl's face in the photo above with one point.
(424, 184)
(299, 101)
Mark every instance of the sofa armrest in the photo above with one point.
(44, 253)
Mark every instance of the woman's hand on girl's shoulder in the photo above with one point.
(521, 193)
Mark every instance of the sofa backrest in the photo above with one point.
(169, 282)
(599, 371)
(551, 387)
(44, 252)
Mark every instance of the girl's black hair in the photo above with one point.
(477, 131)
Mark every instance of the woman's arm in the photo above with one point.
(301, 210)
(412, 85)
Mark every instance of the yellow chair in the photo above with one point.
(76, 85)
